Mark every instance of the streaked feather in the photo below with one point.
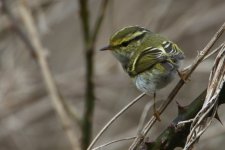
(145, 59)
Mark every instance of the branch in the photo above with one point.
(89, 44)
(206, 57)
(174, 92)
(84, 16)
(87, 121)
(114, 119)
(38, 52)
(112, 142)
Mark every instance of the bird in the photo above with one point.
(150, 60)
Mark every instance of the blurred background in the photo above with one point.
(28, 120)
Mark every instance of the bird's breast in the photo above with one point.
(154, 79)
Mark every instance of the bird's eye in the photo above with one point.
(124, 44)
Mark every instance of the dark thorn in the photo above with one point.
(218, 118)
(181, 109)
(148, 145)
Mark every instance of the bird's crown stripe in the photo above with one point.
(132, 37)
(135, 36)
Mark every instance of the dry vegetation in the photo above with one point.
(28, 118)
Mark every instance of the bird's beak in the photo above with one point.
(106, 48)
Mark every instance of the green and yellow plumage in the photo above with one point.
(150, 59)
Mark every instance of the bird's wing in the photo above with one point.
(146, 59)
(173, 50)
(141, 61)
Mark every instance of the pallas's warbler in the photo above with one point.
(150, 59)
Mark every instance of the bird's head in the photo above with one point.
(126, 41)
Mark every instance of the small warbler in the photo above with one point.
(150, 59)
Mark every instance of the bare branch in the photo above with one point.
(143, 116)
(112, 142)
(206, 57)
(84, 15)
(90, 37)
(114, 119)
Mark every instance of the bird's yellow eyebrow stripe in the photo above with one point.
(128, 38)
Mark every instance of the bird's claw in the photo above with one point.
(182, 74)
(157, 115)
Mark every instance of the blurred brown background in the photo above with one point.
(27, 118)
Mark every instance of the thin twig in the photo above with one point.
(35, 47)
(143, 116)
(90, 37)
(214, 51)
(174, 92)
(114, 119)
(115, 141)
(206, 57)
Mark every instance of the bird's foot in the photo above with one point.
(182, 74)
